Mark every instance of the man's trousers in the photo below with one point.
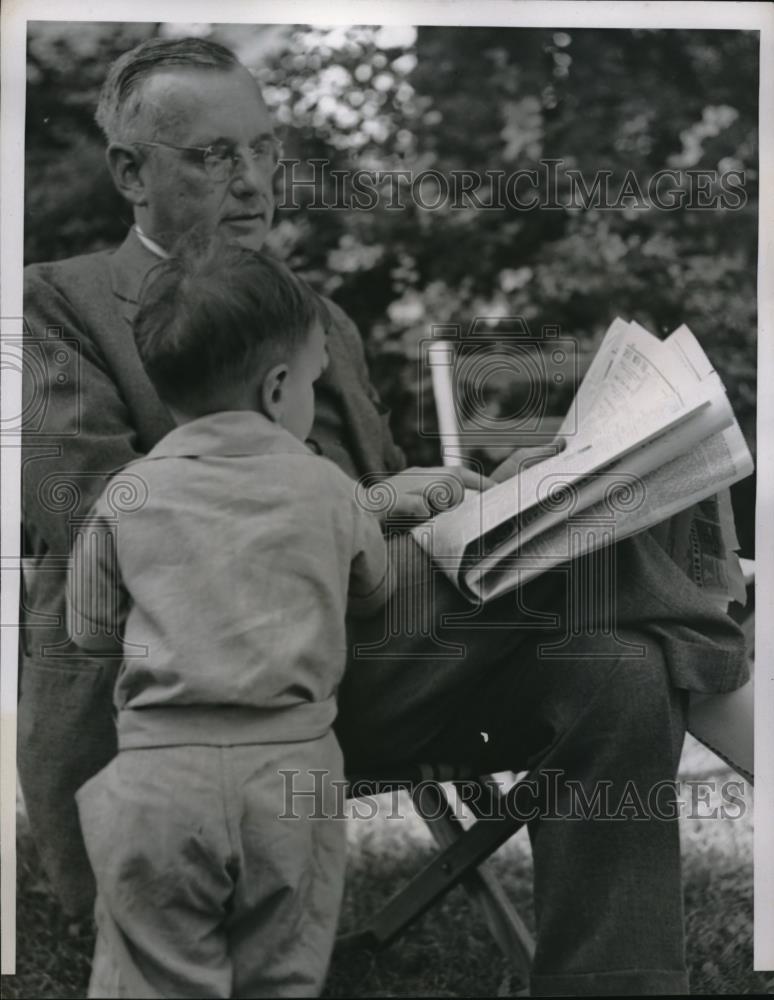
(587, 688)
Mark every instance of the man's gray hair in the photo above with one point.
(120, 100)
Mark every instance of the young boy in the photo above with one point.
(222, 562)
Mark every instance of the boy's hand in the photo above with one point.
(421, 492)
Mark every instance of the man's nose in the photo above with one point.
(250, 177)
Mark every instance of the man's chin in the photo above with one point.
(250, 233)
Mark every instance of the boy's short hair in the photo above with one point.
(215, 314)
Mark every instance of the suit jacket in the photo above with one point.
(89, 409)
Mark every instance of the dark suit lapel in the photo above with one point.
(361, 422)
(129, 266)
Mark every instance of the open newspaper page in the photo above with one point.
(700, 472)
(706, 547)
(656, 434)
(635, 498)
(489, 525)
(702, 541)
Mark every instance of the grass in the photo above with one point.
(449, 952)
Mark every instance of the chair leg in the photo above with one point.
(482, 885)
(463, 852)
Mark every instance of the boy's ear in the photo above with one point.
(272, 393)
(124, 167)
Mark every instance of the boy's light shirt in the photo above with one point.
(237, 559)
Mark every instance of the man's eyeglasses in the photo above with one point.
(220, 160)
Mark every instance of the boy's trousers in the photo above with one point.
(217, 876)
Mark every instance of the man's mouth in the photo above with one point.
(247, 217)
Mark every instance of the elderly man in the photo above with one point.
(191, 145)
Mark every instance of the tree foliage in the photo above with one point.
(482, 100)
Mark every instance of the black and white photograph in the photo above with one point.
(387, 491)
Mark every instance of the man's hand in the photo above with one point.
(421, 492)
(523, 458)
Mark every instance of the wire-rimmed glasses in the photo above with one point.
(220, 160)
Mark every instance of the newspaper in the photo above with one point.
(703, 543)
(656, 436)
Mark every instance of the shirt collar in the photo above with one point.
(150, 244)
(230, 433)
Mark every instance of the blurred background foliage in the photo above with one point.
(476, 99)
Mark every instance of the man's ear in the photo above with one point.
(124, 166)
(272, 393)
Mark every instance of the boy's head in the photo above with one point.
(221, 327)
